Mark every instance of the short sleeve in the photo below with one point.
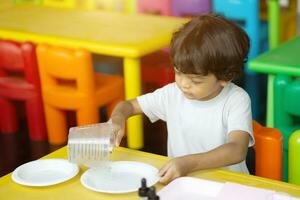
(154, 104)
(239, 116)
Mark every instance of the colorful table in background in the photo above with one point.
(107, 33)
(72, 189)
(283, 59)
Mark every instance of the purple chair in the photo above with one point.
(189, 8)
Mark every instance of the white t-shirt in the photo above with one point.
(199, 126)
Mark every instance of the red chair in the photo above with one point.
(19, 81)
(157, 70)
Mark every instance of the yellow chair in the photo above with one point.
(288, 21)
(60, 3)
(126, 6)
(123, 6)
(106, 5)
(70, 84)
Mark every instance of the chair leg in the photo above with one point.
(87, 115)
(36, 119)
(56, 122)
(8, 117)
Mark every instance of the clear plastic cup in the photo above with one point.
(91, 145)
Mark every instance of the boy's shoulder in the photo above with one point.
(170, 88)
(234, 90)
(236, 93)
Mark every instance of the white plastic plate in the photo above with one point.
(119, 177)
(44, 172)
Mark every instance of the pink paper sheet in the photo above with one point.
(234, 191)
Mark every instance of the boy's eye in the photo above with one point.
(196, 82)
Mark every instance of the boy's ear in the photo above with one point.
(224, 83)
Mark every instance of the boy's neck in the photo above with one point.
(213, 95)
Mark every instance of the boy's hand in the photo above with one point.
(175, 168)
(121, 113)
(119, 127)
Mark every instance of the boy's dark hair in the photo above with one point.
(210, 44)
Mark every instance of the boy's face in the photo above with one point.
(199, 87)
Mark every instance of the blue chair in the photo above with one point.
(246, 14)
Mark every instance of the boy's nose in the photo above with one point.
(185, 83)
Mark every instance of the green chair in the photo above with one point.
(286, 111)
(294, 159)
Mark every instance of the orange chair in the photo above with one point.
(268, 152)
(69, 83)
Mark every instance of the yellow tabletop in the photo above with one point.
(4, 4)
(72, 189)
(109, 33)
(113, 34)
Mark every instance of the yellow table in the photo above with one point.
(4, 4)
(72, 189)
(113, 34)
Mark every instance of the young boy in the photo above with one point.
(208, 117)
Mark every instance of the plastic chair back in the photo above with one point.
(286, 102)
(288, 21)
(268, 152)
(124, 6)
(246, 13)
(19, 81)
(162, 7)
(286, 110)
(157, 71)
(65, 64)
(70, 84)
(294, 161)
(190, 8)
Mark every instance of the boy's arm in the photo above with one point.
(121, 113)
(230, 153)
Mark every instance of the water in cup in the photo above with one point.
(91, 145)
